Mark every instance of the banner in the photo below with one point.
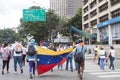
(47, 59)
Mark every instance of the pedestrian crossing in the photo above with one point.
(94, 69)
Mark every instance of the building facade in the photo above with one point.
(102, 17)
(65, 8)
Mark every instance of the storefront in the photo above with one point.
(109, 31)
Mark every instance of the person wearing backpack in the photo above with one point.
(31, 57)
(5, 50)
(17, 55)
(80, 52)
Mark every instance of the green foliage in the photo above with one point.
(77, 19)
(98, 43)
(39, 30)
(8, 35)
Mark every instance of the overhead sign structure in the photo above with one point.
(34, 15)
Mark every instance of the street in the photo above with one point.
(92, 72)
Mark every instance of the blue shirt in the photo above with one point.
(81, 48)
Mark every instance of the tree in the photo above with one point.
(39, 30)
(77, 19)
(8, 35)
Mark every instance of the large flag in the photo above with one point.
(47, 59)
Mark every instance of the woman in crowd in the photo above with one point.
(111, 56)
(5, 50)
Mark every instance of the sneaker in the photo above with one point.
(71, 70)
(31, 76)
(80, 76)
(15, 72)
(21, 70)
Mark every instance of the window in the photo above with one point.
(103, 7)
(85, 9)
(93, 4)
(103, 18)
(86, 18)
(85, 2)
(94, 22)
(93, 13)
(115, 13)
(100, 0)
(114, 2)
(86, 25)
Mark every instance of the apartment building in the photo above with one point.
(102, 17)
(65, 8)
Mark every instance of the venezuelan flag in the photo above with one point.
(47, 59)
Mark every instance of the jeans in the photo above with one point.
(32, 67)
(112, 63)
(69, 60)
(17, 59)
(102, 63)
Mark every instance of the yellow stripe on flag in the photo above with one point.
(51, 52)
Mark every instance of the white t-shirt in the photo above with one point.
(96, 49)
(24, 50)
(112, 53)
(13, 48)
(102, 53)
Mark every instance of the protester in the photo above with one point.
(52, 47)
(75, 44)
(95, 53)
(80, 49)
(5, 50)
(17, 55)
(60, 65)
(102, 57)
(24, 54)
(111, 56)
(31, 57)
(69, 59)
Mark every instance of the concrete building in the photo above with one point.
(65, 8)
(102, 17)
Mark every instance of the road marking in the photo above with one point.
(98, 70)
(109, 76)
(99, 73)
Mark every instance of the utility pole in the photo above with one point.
(49, 27)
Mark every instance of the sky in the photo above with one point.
(11, 11)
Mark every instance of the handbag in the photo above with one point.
(110, 55)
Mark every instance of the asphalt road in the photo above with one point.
(92, 72)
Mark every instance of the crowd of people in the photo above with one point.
(103, 56)
(27, 53)
(20, 55)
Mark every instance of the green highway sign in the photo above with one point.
(34, 15)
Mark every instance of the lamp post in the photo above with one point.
(49, 27)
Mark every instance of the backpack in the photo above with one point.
(18, 49)
(31, 50)
(79, 57)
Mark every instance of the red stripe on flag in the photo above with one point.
(44, 68)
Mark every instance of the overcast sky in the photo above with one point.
(11, 11)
